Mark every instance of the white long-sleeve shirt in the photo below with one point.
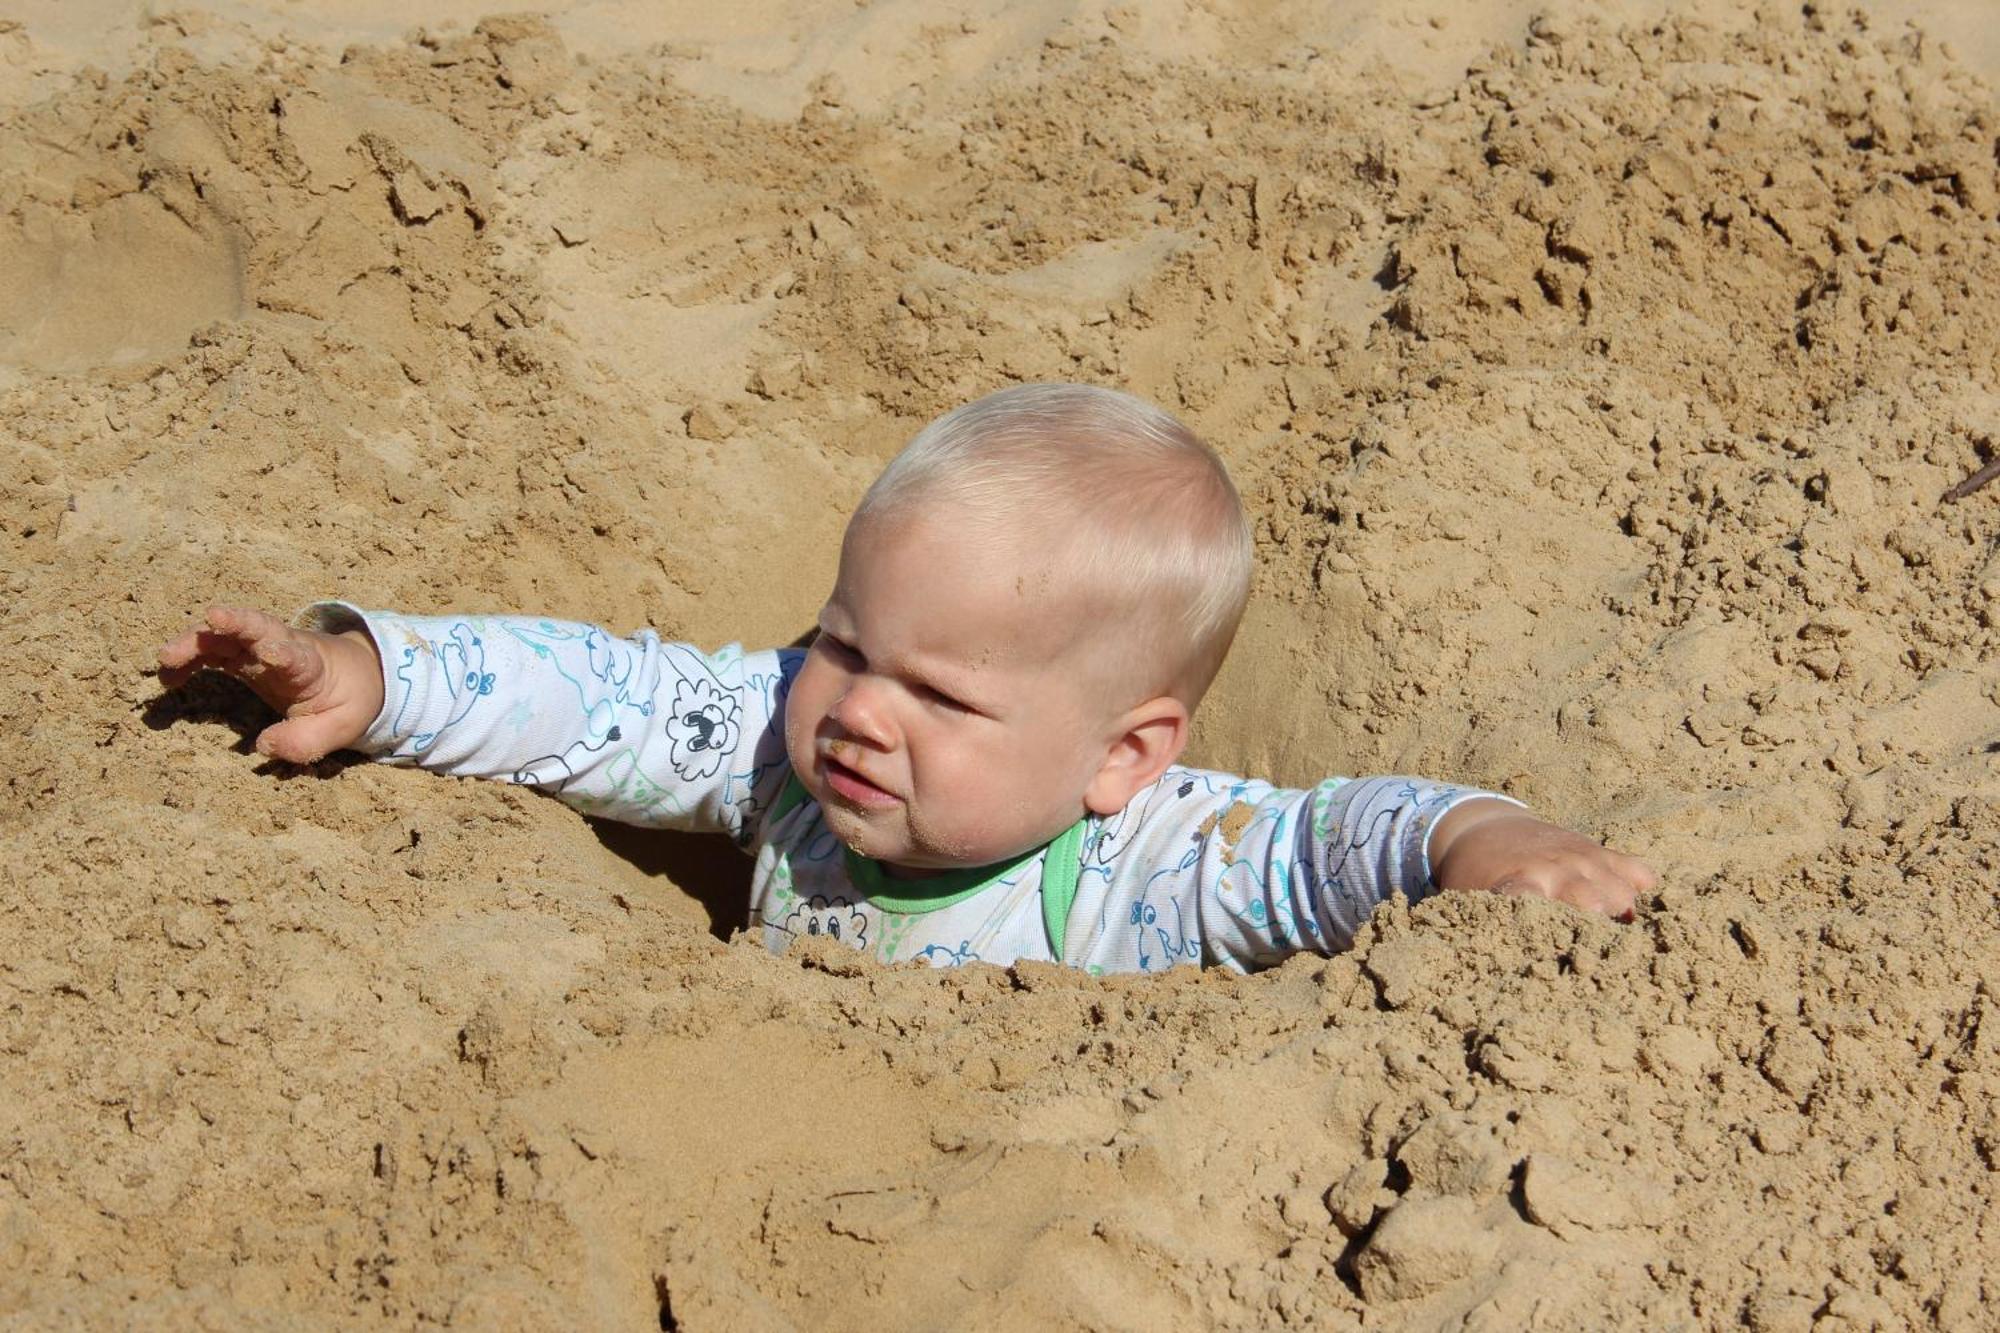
(1200, 867)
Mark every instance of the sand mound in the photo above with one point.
(1595, 387)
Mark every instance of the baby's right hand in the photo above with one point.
(328, 686)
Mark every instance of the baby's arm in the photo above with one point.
(1235, 872)
(1312, 865)
(632, 729)
(1232, 871)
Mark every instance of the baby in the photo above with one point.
(976, 758)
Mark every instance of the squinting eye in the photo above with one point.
(945, 701)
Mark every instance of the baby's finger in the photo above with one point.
(1591, 888)
(1595, 886)
(288, 660)
(245, 623)
(220, 649)
(196, 642)
(179, 650)
(177, 660)
(300, 740)
(195, 650)
(223, 632)
(1526, 886)
(1616, 897)
(173, 677)
(1608, 882)
(1642, 876)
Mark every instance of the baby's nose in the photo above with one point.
(861, 714)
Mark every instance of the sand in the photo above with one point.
(1594, 374)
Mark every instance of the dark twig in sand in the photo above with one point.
(1975, 481)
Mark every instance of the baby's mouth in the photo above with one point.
(855, 789)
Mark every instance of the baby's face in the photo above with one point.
(943, 716)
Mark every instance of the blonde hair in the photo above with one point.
(1141, 513)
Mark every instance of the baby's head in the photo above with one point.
(1032, 599)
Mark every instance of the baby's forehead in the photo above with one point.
(1010, 596)
(1018, 552)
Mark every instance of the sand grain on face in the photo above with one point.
(1593, 388)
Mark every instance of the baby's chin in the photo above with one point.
(850, 828)
(862, 835)
(899, 849)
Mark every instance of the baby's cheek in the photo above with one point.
(801, 723)
(945, 838)
(959, 815)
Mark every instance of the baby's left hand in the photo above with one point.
(1501, 848)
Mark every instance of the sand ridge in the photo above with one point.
(1593, 380)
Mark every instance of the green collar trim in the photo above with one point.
(948, 888)
(1059, 875)
(931, 893)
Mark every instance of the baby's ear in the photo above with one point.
(1150, 737)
